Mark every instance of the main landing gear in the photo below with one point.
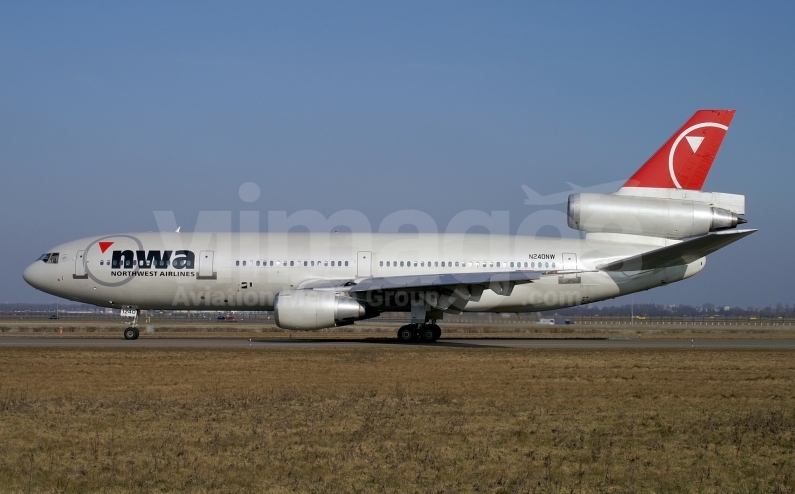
(131, 333)
(427, 333)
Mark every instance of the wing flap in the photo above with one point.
(677, 254)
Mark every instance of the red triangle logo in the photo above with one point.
(103, 246)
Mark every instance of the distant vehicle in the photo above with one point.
(230, 319)
(53, 316)
(557, 320)
(221, 318)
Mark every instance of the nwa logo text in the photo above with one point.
(128, 259)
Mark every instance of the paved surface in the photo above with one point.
(265, 343)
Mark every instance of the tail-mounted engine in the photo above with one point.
(648, 216)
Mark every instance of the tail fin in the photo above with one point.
(684, 161)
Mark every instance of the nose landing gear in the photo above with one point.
(427, 333)
(131, 333)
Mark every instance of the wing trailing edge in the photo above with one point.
(423, 282)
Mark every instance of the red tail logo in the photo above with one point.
(103, 246)
(684, 161)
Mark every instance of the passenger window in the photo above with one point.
(401, 264)
(547, 265)
(346, 263)
(292, 263)
(436, 263)
(422, 264)
(442, 263)
(381, 263)
(553, 264)
(271, 263)
(237, 263)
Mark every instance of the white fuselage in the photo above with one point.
(225, 271)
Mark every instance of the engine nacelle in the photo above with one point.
(315, 309)
(648, 216)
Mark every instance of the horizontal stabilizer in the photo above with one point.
(677, 254)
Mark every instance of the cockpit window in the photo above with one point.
(49, 258)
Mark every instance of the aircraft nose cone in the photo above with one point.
(32, 275)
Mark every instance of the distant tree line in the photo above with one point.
(678, 310)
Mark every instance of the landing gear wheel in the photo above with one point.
(428, 334)
(131, 334)
(406, 333)
(437, 331)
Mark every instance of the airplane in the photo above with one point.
(656, 229)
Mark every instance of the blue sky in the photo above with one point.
(112, 111)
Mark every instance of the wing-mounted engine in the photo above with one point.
(665, 213)
(316, 309)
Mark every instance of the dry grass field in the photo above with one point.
(412, 419)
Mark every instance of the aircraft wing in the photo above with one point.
(325, 284)
(431, 281)
(502, 282)
(677, 254)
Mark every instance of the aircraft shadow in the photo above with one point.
(477, 342)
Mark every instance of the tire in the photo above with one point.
(131, 334)
(428, 334)
(436, 330)
(406, 334)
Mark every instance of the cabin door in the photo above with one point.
(364, 264)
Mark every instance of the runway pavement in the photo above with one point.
(276, 343)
